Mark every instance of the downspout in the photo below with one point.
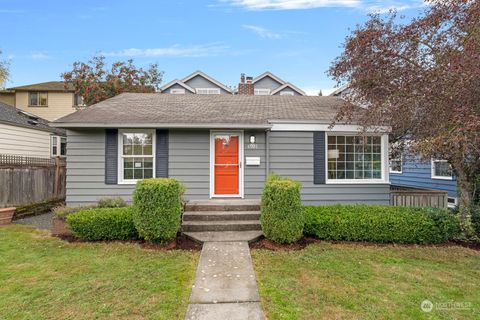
(267, 153)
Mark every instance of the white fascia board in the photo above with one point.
(291, 126)
(268, 74)
(163, 125)
(291, 86)
(207, 77)
(180, 83)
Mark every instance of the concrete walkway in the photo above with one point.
(225, 287)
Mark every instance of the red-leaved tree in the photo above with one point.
(95, 82)
(422, 78)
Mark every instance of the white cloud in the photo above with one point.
(172, 51)
(367, 5)
(39, 56)
(262, 32)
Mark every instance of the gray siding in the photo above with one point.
(201, 82)
(267, 83)
(291, 154)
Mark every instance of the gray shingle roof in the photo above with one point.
(13, 116)
(149, 108)
(45, 86)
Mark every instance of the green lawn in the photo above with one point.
(45, 278)
(352, 281)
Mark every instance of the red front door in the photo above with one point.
(226, 164)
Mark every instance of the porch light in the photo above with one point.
(252, 139)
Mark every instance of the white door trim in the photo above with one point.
(240, 161)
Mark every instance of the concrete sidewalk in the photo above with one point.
(225, 285)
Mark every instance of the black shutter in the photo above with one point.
(161, 154)
(319, 157)
(111, 156)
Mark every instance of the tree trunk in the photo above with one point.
(465, 185)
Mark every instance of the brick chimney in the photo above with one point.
(246, 86)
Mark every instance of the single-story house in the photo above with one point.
(223, 146)
(24, 134)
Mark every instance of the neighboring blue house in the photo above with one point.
(416, 173)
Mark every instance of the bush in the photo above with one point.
(62, 212)
(475, 212)
(116, 202)
(384, 224)
(282, 218)
(103, 224)
(157, 208)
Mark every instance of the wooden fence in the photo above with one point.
(28, 180)
(412, 197)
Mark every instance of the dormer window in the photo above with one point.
(287, 93)
(262, 92)
(208, 90)
(37, 99)
(177, 91)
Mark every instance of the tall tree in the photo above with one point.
(4, 71)
(95, 81)
(422, 78)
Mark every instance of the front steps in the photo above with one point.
(222, 220)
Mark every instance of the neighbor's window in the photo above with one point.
(177, 91)
(207, 90)
(37, 99)
(441, 169)
(59, 146)
(396, 165)
(287, 93)
(137, 158)
(261, 92)
(78, 100)
(354, 158)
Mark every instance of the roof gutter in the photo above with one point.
(161, 125)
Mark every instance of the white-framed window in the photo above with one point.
(37, 99)
(452, 202)
(356, 159)
(396, 165)
(136, 150)
(261, 92)
(78, 100)
(58, 146)
(287, 93)
(208, 90)
(177, 91)
(441, 169)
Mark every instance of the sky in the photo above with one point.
(297, 40)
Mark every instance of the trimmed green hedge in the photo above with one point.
(103, 224)
(282, 218)
(157, 208)
(384, 224)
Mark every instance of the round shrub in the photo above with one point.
(282, 218)
(103, 224)
(384, 224)
(157, 208)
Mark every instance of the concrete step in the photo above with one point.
(220, 215)
(244, 225)
(223, 205)
(224, 236)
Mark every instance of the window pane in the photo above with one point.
(147, 173)
(127, 138)
(43, 99)
(442, 169)
(63, 146)
(128, 163)
(33, 98)
(127, 150)
(147, 149)
(128, 174)
(148, 163)
(137, 150)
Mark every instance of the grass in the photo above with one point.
(354, 281)
(43, 277)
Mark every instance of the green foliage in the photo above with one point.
(157, 208)
(475, 212)
(103, 224)
(116, 202)
(62, 211)
(282, 218)
(384, 224)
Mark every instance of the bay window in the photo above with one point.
(355, 158)
(136, 150)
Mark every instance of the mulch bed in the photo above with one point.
(181, 242)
